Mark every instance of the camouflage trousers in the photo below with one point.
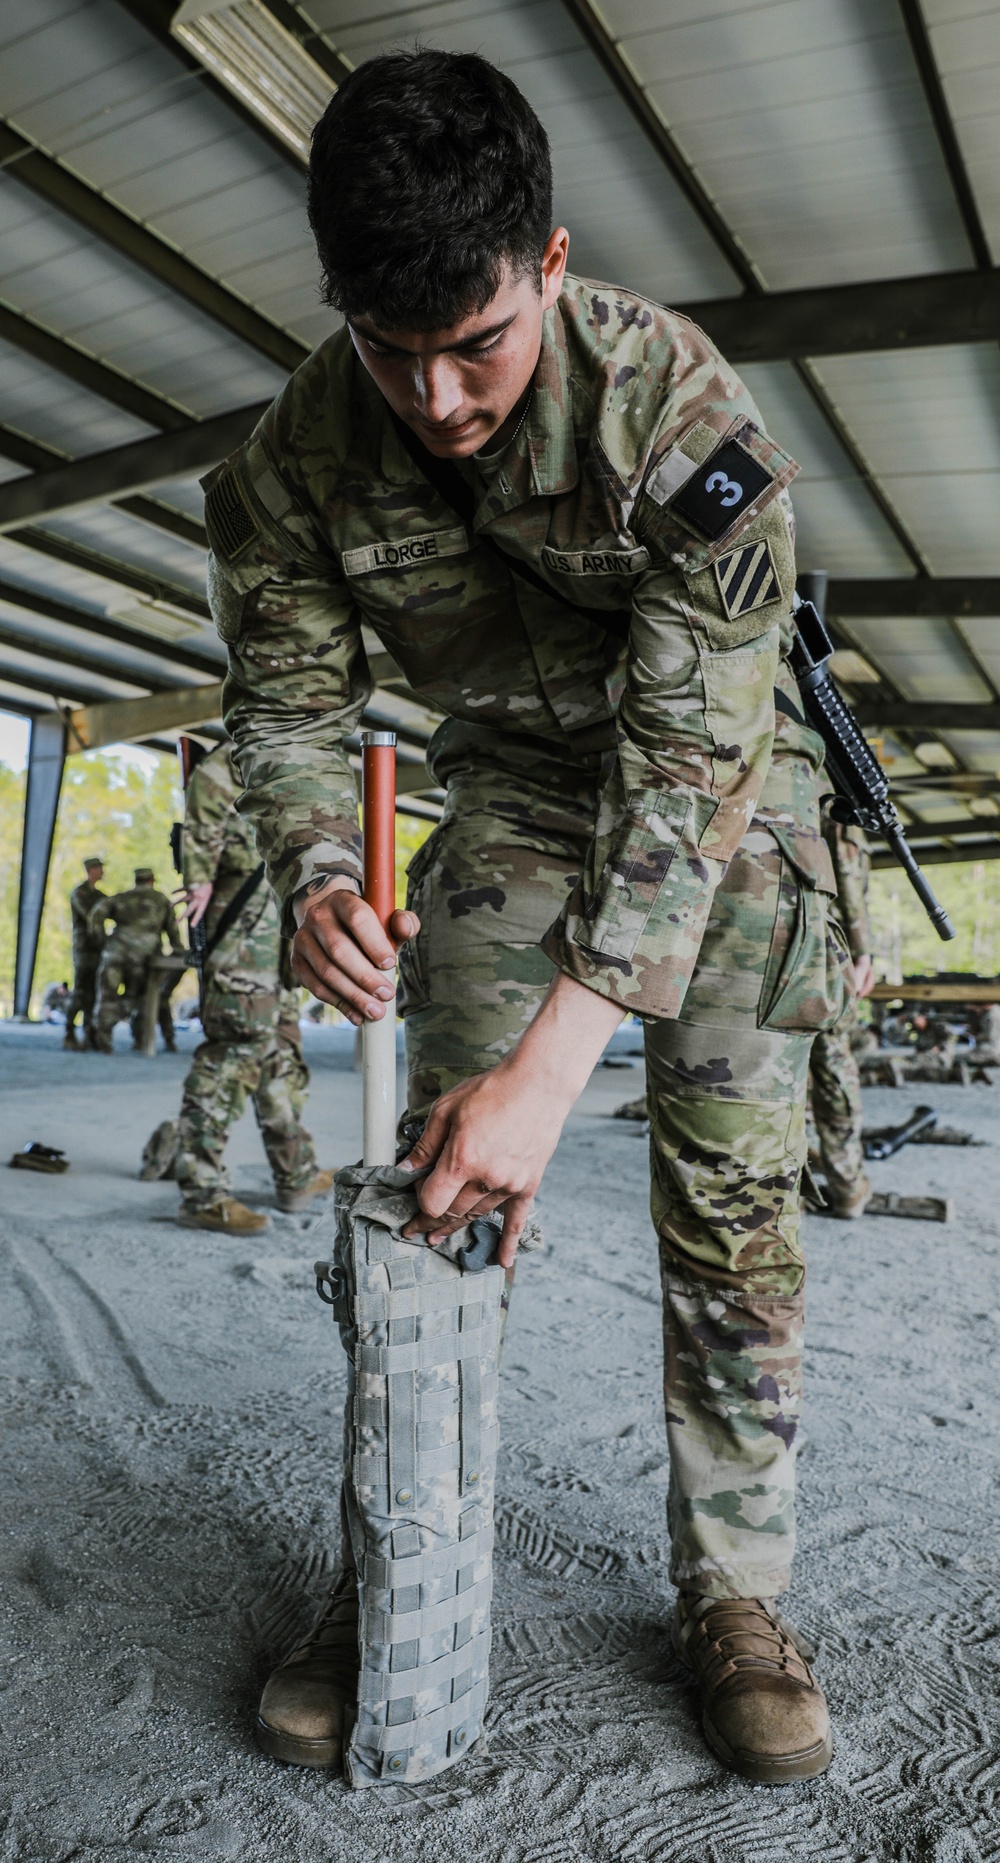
(264, 1065)
(727, 1104)
(121, 982)
(82, 1001)
(835, 1099)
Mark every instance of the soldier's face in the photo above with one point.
(456, 388)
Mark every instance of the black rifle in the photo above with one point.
(888, 1140)
(862, 788)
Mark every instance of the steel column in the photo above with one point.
(46, 759)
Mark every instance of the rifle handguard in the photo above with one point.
(860, 782)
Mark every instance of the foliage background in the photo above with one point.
(119, 809)
(122, 809)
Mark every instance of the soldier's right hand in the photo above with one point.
(342, 955)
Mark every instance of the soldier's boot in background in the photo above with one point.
(302, 1709)
(101, 1043)
(228, 1216)
(848, 1202)
(764, 1714)
(70, 1041)
(297, 1199)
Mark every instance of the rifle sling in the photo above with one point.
(232, 912)
(456, 492)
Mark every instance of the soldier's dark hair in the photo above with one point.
(428, 171)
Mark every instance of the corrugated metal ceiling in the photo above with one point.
(805, 124)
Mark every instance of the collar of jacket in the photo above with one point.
(543, 462)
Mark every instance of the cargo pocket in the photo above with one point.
(634, 877)
(806, 984)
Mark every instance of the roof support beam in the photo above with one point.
(60, 653)
(98, 378)
(23, 161)
(38, 457)
(191, 658)
(100, 477)
(894, 596)
(951, 149)
(953, 830)
(941, 857)
(609, 55)
(844, 320)
(929, 715)
(127, 575)
(117, 720)
(56, 685)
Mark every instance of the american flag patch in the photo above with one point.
(747, 579)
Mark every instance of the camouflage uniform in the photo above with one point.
(252, 1046)
(88, 943)
(616, 815)
(141, 917)
(834, 1079)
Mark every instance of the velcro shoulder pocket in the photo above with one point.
(747, 587)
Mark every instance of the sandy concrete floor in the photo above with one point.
(169, 1480)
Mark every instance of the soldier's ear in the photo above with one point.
(554, 262)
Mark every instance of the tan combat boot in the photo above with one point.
(763, 1712)
(849, 1204)
(302, 1709)
(227, 1215)
(297, 1199)
(70, 1041)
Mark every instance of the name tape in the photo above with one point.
(596, 562)
(405, 552)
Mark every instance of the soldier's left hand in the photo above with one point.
(489, 1141)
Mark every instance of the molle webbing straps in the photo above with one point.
(456, 492)
(422, 1337)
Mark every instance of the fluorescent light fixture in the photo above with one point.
(852, 668)
(934, 755)
(267, 67)
(160, 619)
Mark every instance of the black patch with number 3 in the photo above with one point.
(720, 491)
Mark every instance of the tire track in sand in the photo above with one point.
(81, 1336)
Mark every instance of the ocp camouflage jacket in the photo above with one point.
(641, 481)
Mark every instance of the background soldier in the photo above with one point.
(252, 1044)
(616, 836)
(142, 916)
(88, 943)
(834, 1080)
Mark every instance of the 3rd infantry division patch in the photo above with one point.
(747, 579)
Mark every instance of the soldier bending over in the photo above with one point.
(141, 916)
(601, 607)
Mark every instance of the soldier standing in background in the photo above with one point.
(88, 943)
(141, 916)
(625, 829)
(834, 1078)
(252, 1046)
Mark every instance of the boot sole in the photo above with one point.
(221, 1229)
(763, 1770)
(321, 1755)
(769, 1771)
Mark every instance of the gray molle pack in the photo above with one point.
(421, 1330)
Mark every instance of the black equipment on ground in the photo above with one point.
(889, 1139)
(862, 788)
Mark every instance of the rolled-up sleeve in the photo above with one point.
(694, 737)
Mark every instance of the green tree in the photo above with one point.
(109, 806)
(118, 809)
